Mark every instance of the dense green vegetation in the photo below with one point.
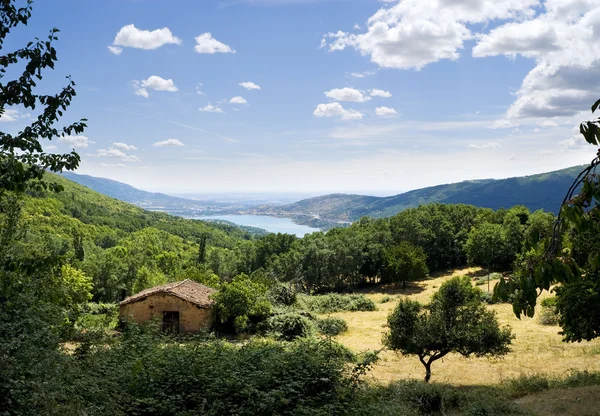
(542, 191)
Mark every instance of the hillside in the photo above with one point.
(542, 191)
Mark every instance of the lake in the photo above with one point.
(271, 224)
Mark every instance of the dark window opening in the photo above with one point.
(170, 321)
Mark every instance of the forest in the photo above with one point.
(296, 317)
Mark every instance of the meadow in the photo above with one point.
(537, 349)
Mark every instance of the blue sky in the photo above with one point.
(354, 95)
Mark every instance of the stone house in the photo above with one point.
(184, 307)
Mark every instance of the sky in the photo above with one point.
(319, 96)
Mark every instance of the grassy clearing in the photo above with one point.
(537, 349)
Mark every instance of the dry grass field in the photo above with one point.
(537, 349)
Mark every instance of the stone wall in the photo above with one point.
(192, 318)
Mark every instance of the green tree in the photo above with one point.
(241, 301)
(456, 321)
(404, 263)
(569, 256)
(23, 160)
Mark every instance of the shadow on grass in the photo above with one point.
(411, 288)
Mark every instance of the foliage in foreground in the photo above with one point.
(569, 256)
(146, 374)
(414, 398)
(456, 320)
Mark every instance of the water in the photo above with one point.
(271, 224)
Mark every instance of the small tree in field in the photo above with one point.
(456, 321)
(404, 263)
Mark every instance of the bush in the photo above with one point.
(335, 302)
(332, 326)
(288, 326)
(282, 294)
(146, 375)
(386, 299)
(549, 313)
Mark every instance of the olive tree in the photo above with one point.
(456, 321)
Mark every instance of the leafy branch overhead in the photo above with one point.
(568, 257)
(22, 157)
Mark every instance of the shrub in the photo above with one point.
(282, 294)
(332, 326)
(240, 301)
(146, 375)
(288, 326)
(335, 302)
(386, 299)
(549, 313)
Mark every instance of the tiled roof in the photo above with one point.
(188, 290)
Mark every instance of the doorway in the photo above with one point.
(170, 321)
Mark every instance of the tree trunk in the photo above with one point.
(427, 371)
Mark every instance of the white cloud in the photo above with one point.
(250, 85)
(335, 109)
(153, 82)
(209, 108)
(115, 153)
(385, 111)
(380, 93)
(199, 89)
(113, 165)
(238, 100)
(132, 37)
(346, 94)
(11, 114)
(115, 50)
(205, 43)
(169, 143)
(562, 39)
(362, 74)
(414, 33)
(51, 147)
(76, 141)
(490, 145)
(124, 146)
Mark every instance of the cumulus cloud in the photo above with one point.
(76, 141)
(124, 146)
(209, 108)
(11, 114)
(380, 93)
(563, 41)
(238, 100)
(250, 85)
(131, 37)
(414, 33)
(490, 145)
(336, 110)
(153, 82)
(205, 43)
(385, 111)
(115, 153)
(169, 143)
(115, 50)
(347, 94)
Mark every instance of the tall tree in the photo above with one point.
(22, 157)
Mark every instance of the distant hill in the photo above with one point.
(542, 191)
(128, 193)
